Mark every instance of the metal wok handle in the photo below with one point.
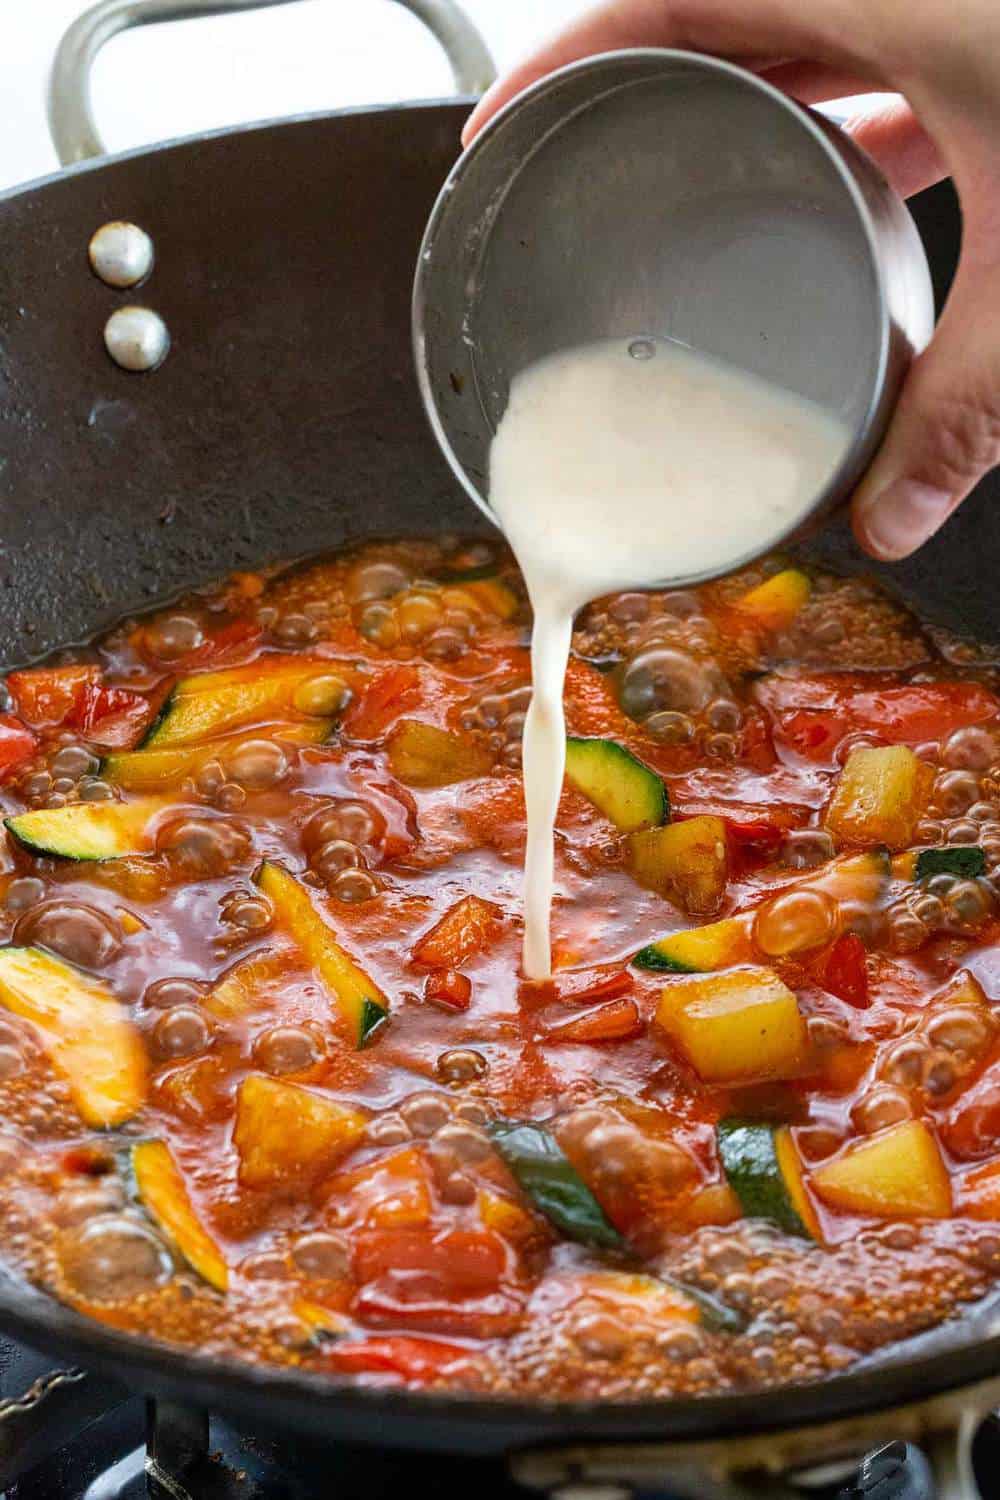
(71, 119)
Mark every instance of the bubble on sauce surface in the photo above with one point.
(664, 678)
(173, 990)
(173, 636)
(181, 1031)
(202, 847)
(113, 1259)
(322, 1255)
(72, 929)
(257, 764)
(287, 1049)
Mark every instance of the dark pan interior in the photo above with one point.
(286, 420)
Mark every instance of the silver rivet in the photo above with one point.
(121, 254)
(136, 338)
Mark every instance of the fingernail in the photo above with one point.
(899, 519)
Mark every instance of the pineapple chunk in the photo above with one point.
(421, 755)
(895, 1174)
(686, 862)
(740, 1026)
(285, 1134)
(880, 797)
(774, 604)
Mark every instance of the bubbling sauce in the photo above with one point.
(622, 464)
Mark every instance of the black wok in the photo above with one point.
(286, 419)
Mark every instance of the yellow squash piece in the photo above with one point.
(686, 862)
(880, 797)
(423, 756)
(739, 1026)
(286, 1135)
(210, 704)
(243, 987)
(88, 830)
(164, 1195)
(774, 604)
(150, 770)
(896, 1174)
(701, 950)
(490, 595)
(83, 1028)
(360, 1003)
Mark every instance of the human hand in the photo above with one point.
(944, 63)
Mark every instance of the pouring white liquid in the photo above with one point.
(627, 464)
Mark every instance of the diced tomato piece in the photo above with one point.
(113, 716)
(448, 988)
(757, 834)
(466, 1261)
(977, 1193)
(611, 1022)
(230, 645)
(391, 694)
(46, 696)
(394, 1300)
(417, 1360)
(813, 715)
(973, 1125)
(577, 986)
(17, 744)
(471, 924)
(844, 971)
(391, 1192)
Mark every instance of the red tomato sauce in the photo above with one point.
(272, 1083)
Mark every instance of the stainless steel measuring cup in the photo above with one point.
(663, 193)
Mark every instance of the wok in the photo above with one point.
(286, 419)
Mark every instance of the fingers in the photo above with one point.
(895, 138)
(945, 433)
(757, 34)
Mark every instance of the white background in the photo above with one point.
(170, 80)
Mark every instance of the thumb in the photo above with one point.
(945, 433)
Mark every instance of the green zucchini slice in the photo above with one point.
(210, 704)
(83, 1028)
(700, 950)
(150, 770)
(553, 1184)
(87, 830)
(965, 860)
(163, 1193)
(762, 1167)
(618, 784)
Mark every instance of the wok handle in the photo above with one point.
(71, 119)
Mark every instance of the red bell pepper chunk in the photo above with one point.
(113, 716)
(576, 986)
(390, 694)
(469, 925)
(845, 972)
(417, 1360)
(611, 1022)
(17, 745)
(47, 696)
(448, 988)
(466, 1260)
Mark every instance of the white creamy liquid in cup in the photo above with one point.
(623, 464)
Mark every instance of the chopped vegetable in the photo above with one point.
(897, 1173)
(85, 1031)
(507, 1218)
(88, 830)
(417, 1361)
(739, 1026)
(448, 988)
(611, 1022)
(17, 745)
(553, 1184)
(617, 783)
(46, 696)
(965, 860)
(391, 1192)
(360, 1003)
(241, 988)
(699, 950)
(164, 1194)
(423, 756)
(686, 862)
(978, 1192)
(209, 704)
(845, 971)
(285, 1134)
(468, 926)
(880, 797)
(774, 604)
(763, 1169)
(491, 595)
(149, 770)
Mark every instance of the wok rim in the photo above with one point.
(33, 1316)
